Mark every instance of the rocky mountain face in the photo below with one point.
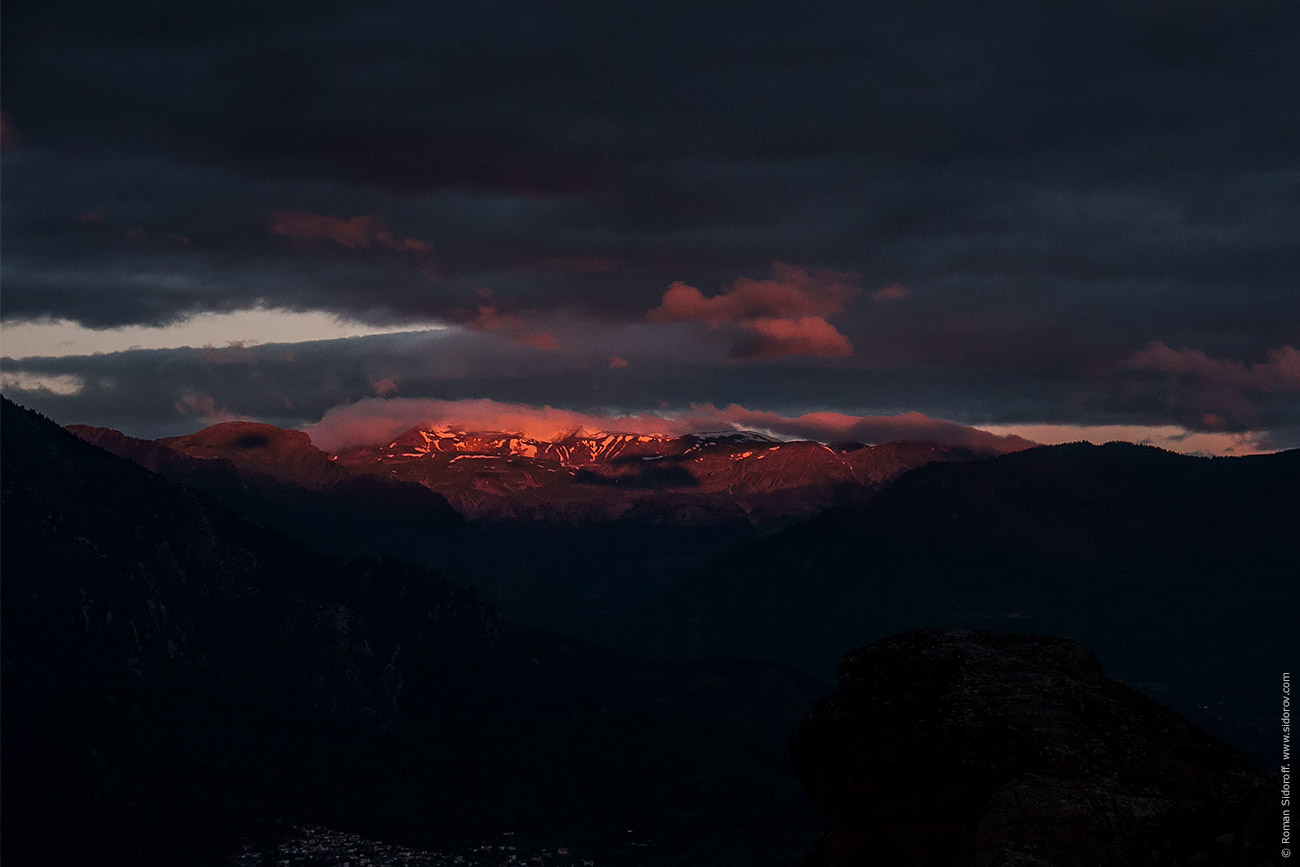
(699, 478)
(174, 675)
(983, 748)
(584, 477)
(284, 455)
(1179, 572)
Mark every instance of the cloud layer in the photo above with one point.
(606, 369)
(1049, 217)
(1214, 394)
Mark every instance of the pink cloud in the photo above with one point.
(791, 292)
(778, 338)
(489, 318)
(1205, 393)
(385, 387)
(543, 340)
(774, 318)
(617, 361)
(1279, 373)
(375, 420)
(355, 234)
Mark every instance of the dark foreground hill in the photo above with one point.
(173, 675)
(1179, 572)
(983, 748)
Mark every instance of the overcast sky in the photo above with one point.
(1049, 218)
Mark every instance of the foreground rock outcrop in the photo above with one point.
(983, 748)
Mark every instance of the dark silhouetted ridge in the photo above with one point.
(174, 675)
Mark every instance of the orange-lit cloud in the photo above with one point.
(374, 420)
(386, 387)
(543, 340)
(777, 338)
(617, 361)
(1209, 394)
(489, 318)
(774, 318)
(1280, 373)
(791, 292)
(355, 234)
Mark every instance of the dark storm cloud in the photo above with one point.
(1056, 187)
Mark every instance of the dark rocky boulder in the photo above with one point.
(985, 748)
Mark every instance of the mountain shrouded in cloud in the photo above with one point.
(377, 420)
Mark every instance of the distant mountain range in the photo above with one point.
(1178, 571)
(733, 545)
(581, 478)
(177, 676)
(174, 675)
(577, 534)
(1181, 573)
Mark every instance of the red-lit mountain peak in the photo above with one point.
(285, 455)
(580, 448)
(586, 475)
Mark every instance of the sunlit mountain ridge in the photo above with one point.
(540, 527)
